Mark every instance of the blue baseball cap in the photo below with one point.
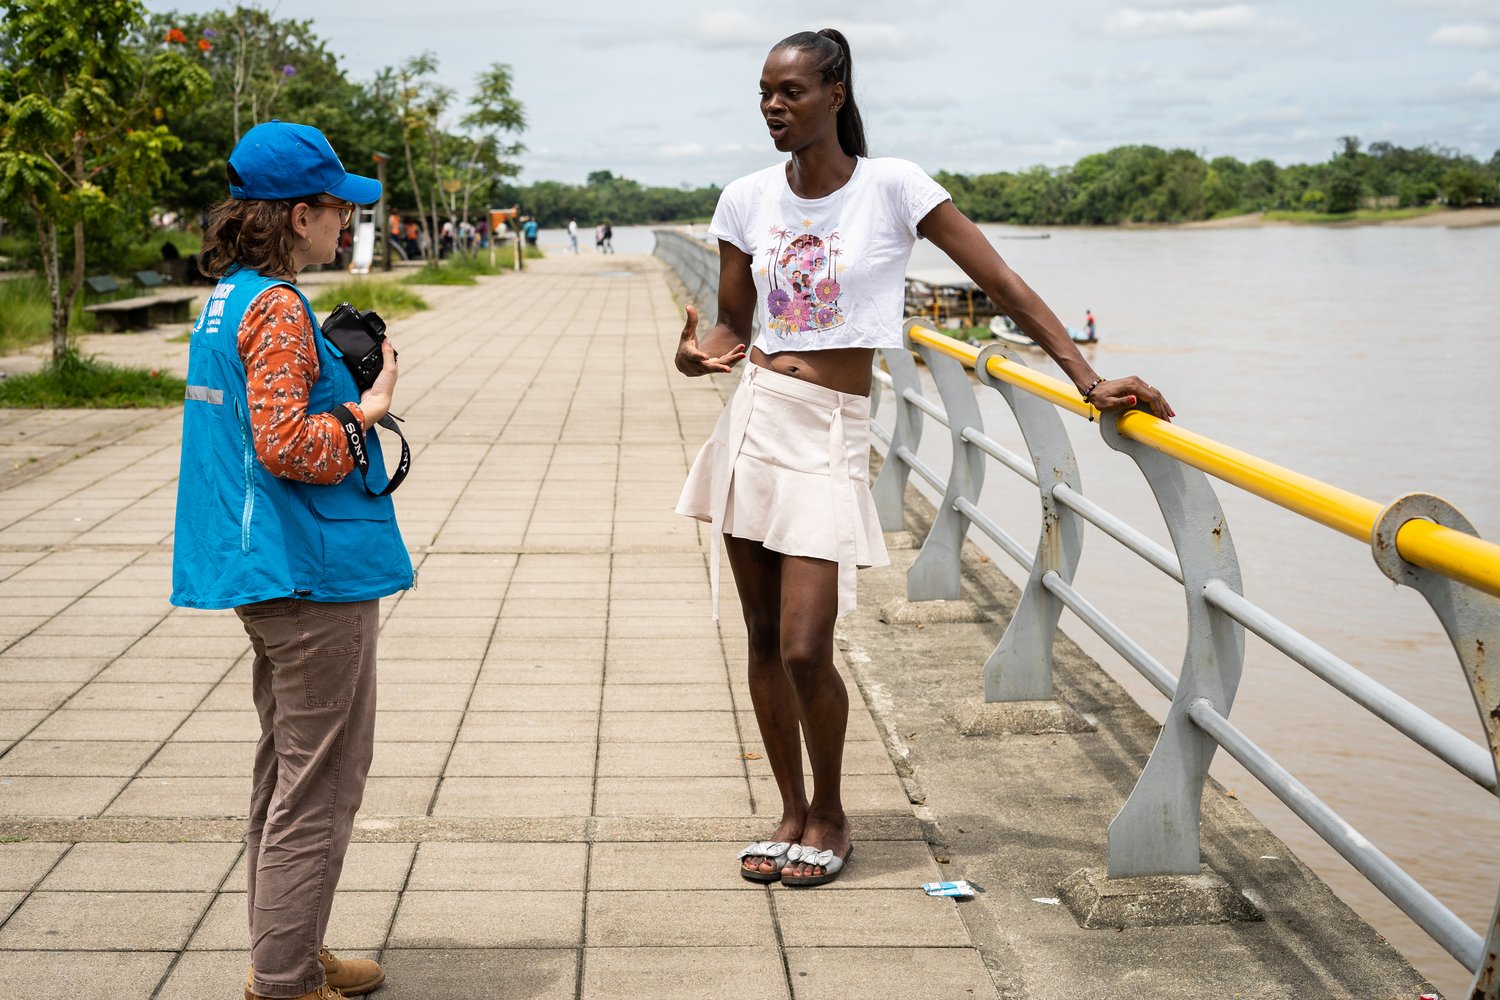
(279, 160)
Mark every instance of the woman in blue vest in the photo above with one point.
(271, 524)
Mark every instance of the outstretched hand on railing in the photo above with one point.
(1128, 392)
(693, 360)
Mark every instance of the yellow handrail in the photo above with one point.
(1464, 558)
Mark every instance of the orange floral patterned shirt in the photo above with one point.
(281, 363)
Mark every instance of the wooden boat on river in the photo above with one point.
(948, 298)
(1003, 329)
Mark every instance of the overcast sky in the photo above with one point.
(664, 91)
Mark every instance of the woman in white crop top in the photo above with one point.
(817, 247)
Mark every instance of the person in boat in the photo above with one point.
(784, 479)
(1088, 323)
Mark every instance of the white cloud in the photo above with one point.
(1238, 22)
(1139, 73)
(1466, 36)
(1482, 83)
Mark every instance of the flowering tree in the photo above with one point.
(81, 99)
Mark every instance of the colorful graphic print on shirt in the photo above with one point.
(803, 272)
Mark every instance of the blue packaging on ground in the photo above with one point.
(959, 889)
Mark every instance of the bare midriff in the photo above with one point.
(843, 369)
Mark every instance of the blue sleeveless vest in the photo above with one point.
(243, 535)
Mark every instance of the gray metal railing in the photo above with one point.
(1156, 832)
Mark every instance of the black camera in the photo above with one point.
(357, 335)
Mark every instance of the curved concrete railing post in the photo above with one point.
(1020, 668)
(1156, 831)
(935, 576)
(1472, 621)
(906, 434)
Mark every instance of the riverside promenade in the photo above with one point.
(566, 761)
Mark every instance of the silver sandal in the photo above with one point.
(775, 850)
(826, 860)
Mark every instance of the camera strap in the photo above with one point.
(355, 433)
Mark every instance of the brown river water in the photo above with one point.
(1368, 358)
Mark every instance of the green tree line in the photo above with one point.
(1148, 184)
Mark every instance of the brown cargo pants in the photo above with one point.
(314, 687)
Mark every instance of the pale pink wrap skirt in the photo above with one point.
(788, 466)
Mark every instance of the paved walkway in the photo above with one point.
(566, 762)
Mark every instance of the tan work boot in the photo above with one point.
(324, 992)
(351, 976)
(346, 977)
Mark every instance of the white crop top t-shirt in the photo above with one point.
(829, 272)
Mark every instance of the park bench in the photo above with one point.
(140, 311)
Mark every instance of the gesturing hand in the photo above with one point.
(1130, 391)
(691, 360)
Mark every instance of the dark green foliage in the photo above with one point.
(1144, 184)
(621, 201)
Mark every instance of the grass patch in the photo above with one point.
(439, 274)
(79, 382)
(387, 298)
(26, 314)
(1361, 215)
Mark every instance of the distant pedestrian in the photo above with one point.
(609, 237)
(573, 234)
(784, 479)
(1088, 322)
(530, 229)
(599, 238)
(413, 239)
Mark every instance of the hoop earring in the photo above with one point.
(308, 241)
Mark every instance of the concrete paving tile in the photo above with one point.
(184, 796)
(99, 921)
(61, 975)
(629, 672)
(500, 919)
(511, 650)
(87, 625)
(488, 797)
(672, 797)
(538, 698)
(85, 724)
(410, 672)
(23, 865)
(51, 669)
(679, 760)
(577, 590)
(868, 973)
(867, 918)
(673, 727)
(501, 760)
(863, 794)
(135, 669)
(416, 727)
(528, 727)
(74, 645)
(701, 649)
(139, 697)
(684, 918)
(532, 973)
(80, 758)
(57, 796)
(200, 974)
(586, 672)
(407, 760)
(496, 867)
(706, 697)
(435, 647)
(417, 605)
(181, 759)
(142, 867)
(25, 694)
(546, 628)
(740, 973)
(358, 922)
(860, 757)
(666, 866)
(17, 722)
(404, 796)
(226, 648)
(412, 625)
(573, 606)
(238, 726)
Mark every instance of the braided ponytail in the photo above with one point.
(834, 64)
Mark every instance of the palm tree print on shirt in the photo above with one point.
(804, 295)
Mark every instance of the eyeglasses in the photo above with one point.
(346, 210)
